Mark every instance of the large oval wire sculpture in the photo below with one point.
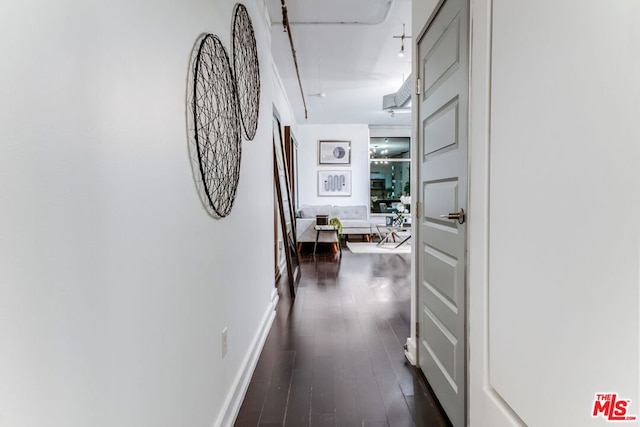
(247, 70)
(217, 126)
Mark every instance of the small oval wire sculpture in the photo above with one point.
(217, 125)
(247, 70)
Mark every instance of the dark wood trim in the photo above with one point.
(285, 208)
(291, 157)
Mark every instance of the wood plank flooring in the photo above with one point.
(335, 356)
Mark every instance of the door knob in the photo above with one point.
(460, 216)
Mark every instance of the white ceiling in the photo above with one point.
(354, 63)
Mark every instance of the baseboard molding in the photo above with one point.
(241, 383)
(274, 299)
(410, 351)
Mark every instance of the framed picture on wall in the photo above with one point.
(334, 152)
(334, 183)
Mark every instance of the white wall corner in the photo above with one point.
(410, 351)
(282, 98)
(237, 392)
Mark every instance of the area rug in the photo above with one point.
(373, 248)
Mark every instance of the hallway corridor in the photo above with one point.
(335, 356)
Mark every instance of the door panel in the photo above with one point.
(440, 271)
(441, 129)
(444, 198)
(442, 59)
(442, 133)
(442, 345)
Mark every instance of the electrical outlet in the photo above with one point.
(224, 342)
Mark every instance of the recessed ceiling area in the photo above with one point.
(347, 56)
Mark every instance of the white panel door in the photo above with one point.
(442, 137)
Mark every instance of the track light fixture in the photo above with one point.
(402, 37)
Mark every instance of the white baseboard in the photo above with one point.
(241, 383)
(410, 351)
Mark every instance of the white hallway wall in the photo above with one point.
(308, 137)
(114, 282)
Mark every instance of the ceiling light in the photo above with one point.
(402, 37)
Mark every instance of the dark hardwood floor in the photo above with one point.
(335, 356)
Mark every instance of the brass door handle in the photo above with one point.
(460, 216)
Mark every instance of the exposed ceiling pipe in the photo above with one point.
(400, 98)
(380, 21)
(287, 29)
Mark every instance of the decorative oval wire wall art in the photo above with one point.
(217, 125)
(247, 70)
